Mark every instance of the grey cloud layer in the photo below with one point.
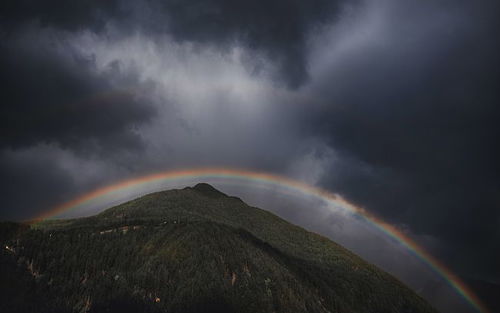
(423, 116)
(277, 28)
(53, 94)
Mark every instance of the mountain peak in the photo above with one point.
(208, 190)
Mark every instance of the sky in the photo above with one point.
(392, 104)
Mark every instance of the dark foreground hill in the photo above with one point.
(190, 250)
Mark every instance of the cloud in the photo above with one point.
(59, 14)
(37, 178)
(31, 181)
(276, 29)
(53, 94)
(410, 102)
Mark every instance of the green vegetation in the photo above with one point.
(190, 250)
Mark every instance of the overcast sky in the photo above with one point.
(391, 103)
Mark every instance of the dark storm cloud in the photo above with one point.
(278, 29)
(55, 95)
(72, 15)
(31, 184)
(414, 114)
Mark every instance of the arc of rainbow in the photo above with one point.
(435, 265)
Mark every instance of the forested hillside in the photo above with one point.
(190, 250)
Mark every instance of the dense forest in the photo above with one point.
(192, 250)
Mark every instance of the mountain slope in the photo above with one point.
(190, 250)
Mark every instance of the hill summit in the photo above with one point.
(188, 250)
(208, 190)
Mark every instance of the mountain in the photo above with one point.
(191, 250)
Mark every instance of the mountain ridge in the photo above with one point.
(194, 250)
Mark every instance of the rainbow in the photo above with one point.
(271, 179)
